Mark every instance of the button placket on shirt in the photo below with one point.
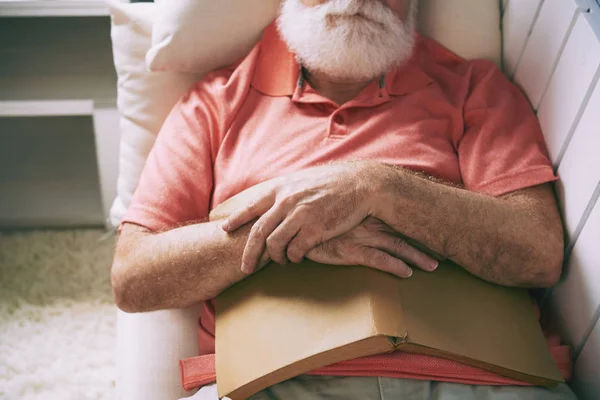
(338, 120)
(337, 123)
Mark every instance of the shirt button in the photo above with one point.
(338, 119)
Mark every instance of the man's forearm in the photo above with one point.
(176, 268)
(498, 239)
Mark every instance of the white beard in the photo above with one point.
(347, 49)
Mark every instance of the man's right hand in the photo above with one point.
(373, 244)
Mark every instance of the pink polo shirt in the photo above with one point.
(461, 121)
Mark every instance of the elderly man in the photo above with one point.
(370, 130)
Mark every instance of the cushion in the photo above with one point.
(201, 35)
(470, 28)
(144, 98)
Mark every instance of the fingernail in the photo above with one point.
(437, 264)
(410, 273)
(245, 269)
(225, 226)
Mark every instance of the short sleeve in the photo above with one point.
(502, 148)
(177, 180)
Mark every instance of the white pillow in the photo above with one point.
(144, 98)
(201, 35)
(470, 28)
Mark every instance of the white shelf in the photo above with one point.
(49, 173)
(46, 61)
(48, 108)
(53, 8)
(58, 120)
(54, 86)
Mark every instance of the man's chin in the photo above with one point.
(353, 64)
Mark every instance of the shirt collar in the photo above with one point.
(277, 72)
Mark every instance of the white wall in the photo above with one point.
(552, 51)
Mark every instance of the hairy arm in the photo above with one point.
(514, 240)
(183, 266)
(175, 268)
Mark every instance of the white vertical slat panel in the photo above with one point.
(543, 48)
(575, 300)
(503, 5)
(569, 87)
(519, 16)
(579, 169)
(586, 376)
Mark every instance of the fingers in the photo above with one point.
(278, 241)
(329, 252)
(305, 241)
(379, 259)
(247, 214)
(296, 236)
(401, 249)
(257, 238)
(265, 258)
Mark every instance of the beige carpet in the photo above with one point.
(57, 320)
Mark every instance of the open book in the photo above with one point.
(284, 321)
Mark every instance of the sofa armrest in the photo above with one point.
(149, 347)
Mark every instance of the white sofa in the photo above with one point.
(543, 51)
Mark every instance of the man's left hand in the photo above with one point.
(302, 210)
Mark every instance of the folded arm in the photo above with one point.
(175, 268)
(514, 240)
(186, 265)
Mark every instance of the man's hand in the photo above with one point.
(302, 210)
(372, 244)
